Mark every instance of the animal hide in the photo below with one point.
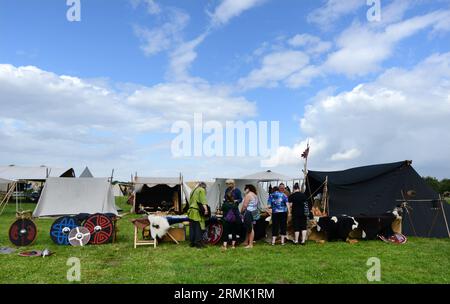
(159, 226)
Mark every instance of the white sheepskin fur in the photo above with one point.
(158, 226)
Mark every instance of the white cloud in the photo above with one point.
(361, 49)
(164, 37)
(310, 43)
(326, 15)
(182, 57)
(276, 67)
(175, 101)
(401, 115)
(153, 8)
(229, 9)
(60, 120)
(346, 155)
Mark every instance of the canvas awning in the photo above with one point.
(153, 181)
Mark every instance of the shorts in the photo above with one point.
(299, 223)
(248, 220)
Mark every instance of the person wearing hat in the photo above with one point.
(196, 220)
(232, 192)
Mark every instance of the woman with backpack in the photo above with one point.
(251, 212)
(231, 221)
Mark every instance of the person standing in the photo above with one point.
(196, 220)
(282, 188)
(277, 205)
(301, 210)
(232, 191)
(251, 212)
(231, 221)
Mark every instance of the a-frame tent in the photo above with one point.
(70, 196)
(86, 173)
(376, 189)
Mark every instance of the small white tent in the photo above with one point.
(268, 176)
(117, 191)
(86, 173)
(216, 192)
(68, 196)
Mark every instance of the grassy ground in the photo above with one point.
(419, 261)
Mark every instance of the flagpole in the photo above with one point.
(305, 167)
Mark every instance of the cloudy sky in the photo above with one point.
(105, 91)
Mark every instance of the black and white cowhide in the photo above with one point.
(337, 227)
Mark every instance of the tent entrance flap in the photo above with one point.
(159, 197)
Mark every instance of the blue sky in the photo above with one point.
(104, 91)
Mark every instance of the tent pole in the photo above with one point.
(445, 218)
(325, 196)
(17, 200)
(409, 215)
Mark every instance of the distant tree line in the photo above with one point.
(442, 186)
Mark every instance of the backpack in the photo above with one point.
(230, 217)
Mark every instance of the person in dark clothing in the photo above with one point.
(301, 210)
(232, 191)
(231, 221)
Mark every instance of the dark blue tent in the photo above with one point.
(376, 189)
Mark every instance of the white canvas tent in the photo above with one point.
(19, 173)
(117, 191)
(154, 190)
(216, 192)
(268, 176)
(4, 184)
(68, 196)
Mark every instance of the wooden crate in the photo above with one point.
(178, 233)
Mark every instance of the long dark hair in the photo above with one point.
(251, 188)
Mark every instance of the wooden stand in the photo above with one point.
(139, 225)
(138, 242)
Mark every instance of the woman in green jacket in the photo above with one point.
(196, 220)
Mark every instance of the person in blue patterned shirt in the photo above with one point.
(278, 207)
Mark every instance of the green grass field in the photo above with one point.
(418, 261)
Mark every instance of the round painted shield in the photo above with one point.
(213, 233)
(59, 232)
(79, 236)
(22, 232)
(101, 228)
(396, 238)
